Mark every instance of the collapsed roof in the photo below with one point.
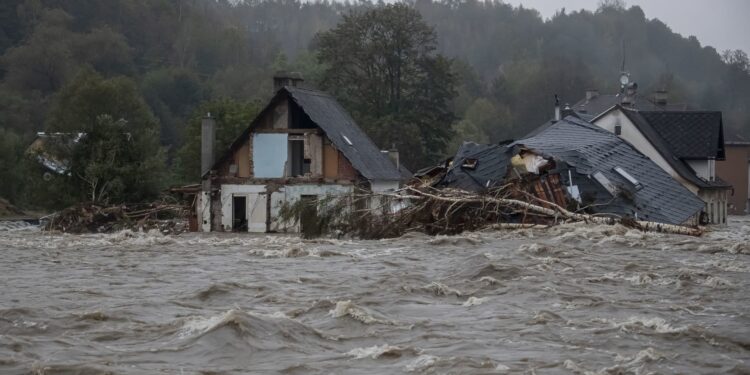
(610, 174)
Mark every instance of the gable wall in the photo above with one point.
(325, 161)
(630, 133)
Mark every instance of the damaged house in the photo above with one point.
(302, 145)
(685, 144)
(575, 164)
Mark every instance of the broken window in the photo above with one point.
(297, 157)
(628, 177)
(605, 182)
(470, 163)
(269, 155)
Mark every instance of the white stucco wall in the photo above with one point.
(701, 168)
(633, 136)
(292, 193)
(256, 205)
(380, 186)
(203, 211)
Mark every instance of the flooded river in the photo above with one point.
(569, 300)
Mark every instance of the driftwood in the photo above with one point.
(97, 218)
(572, 216)
(449, 211)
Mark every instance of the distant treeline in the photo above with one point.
(177, 59)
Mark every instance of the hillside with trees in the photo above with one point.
(484, 71)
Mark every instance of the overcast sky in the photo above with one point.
(723, 24)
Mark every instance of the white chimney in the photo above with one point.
(208, 138)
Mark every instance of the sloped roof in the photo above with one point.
(689, 134)
(343, 132)
(590, 149)
(490, 170)
(339, 127)
(663, 147)
(603, 102)
(733, 138)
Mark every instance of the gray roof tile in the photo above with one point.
(589, 149)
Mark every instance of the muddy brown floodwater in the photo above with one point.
(572, 299)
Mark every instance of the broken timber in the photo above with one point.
(554, 212)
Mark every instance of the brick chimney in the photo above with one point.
(591, 94)
(660, 97)
(281, 79)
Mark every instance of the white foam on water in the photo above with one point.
(421, 363)
(717, 282)
(456, 240)
(474, 301)
(489, 280)
(16, 226)
(627, 365)
(657, 324)
(440, 289)
(350, 309)
(501, 368)
(198, 325)
(375, 352)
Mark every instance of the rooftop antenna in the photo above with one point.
(624, 75)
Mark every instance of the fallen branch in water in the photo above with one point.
(97, 218)
(448, 211)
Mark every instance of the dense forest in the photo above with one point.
(151, 68)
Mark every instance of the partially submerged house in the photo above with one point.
(575, 164)
(302, 145)
(685, 144)
(735, 170)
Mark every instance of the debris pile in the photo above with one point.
(450, 211)
(567, 171)
(168, 218)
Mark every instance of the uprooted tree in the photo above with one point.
(443, 211)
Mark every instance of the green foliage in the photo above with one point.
(172, 94)
(119, 158)
(80, 103)
(231, 117)
(382, 64)
(12, 162)
(115, 163)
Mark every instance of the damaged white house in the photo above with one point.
(302, 145)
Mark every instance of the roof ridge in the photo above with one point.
(308, 90)
(709, 111)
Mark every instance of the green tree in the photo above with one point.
(45, 61)
(231, 116)
(113, 164)
(466, 130)
(118, 158)
(12, 163)
(382, 65)
(172, 94)
(81, 102)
